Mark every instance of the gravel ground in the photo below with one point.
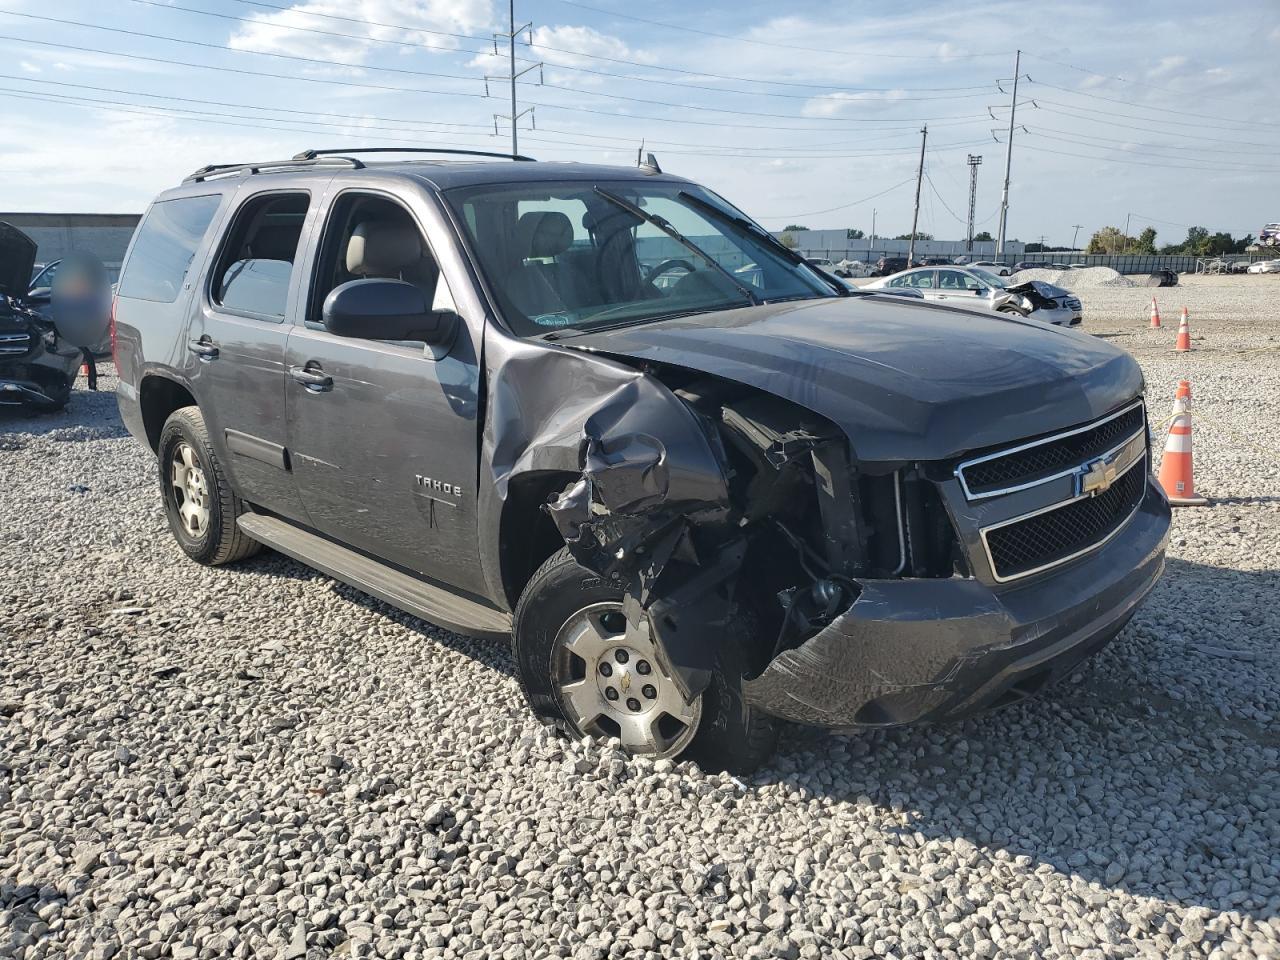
(258, 762)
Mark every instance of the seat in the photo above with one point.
(536, 286)
(392, 250)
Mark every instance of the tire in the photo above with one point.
(59, 397)
(218, 539)
(727, 734)
(1012, 310)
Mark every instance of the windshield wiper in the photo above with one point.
(746, 226)
(663, 225)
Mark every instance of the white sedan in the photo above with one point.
(1265, 266)
(975, 287)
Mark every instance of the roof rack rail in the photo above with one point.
(229, 169)
(315, 154)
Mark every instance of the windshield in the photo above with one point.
(990, 279)
(570, 255)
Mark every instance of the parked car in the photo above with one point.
(1269, 235)
(1265, 266)
(889, 265)
(999, 269)
(852, 269)
(825, 265)
(975, 287)
(456, 386)
(39, 359)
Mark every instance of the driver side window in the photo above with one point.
(371, 236)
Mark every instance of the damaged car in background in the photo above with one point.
(40, 358)
(982, 289)
(700, 485)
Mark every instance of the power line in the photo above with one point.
(1065, 111)
(893, 92)
(414, 90)
(773, 44)
(1136, 83)
(1265, 150)
(1072, 137)
(589, 56)
(1161, 110)
(1139, 163)
(261, 123)
(843, 206)
(928, 179)
(453, 76)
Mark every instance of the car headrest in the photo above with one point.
(544, 233)
(379, 248)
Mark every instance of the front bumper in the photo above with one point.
(929, 650)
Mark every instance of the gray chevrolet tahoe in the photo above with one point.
(546, 402)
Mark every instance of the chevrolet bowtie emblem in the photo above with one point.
(1098, 478)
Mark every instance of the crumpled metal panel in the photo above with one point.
(638, 450)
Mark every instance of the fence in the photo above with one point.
(1131, 263)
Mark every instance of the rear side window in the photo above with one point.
(167, 240)
(253, 273)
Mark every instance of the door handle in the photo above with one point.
(204, 348)
(312, 377)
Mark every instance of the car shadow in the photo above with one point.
(1134, 773)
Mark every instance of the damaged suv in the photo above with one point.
(546, 402)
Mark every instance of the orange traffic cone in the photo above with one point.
(1184, 392)
(1155, 315)
(1175, 466)
(1184, 334)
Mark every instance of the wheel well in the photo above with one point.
(159, 397)
(527, 534)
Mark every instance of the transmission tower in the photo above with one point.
(974, 163)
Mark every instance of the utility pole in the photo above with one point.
(1008, 157)
(513, 75)
(1075, 236)
(873, 224)
(915, 217)
(974, 162)
(1125, 239)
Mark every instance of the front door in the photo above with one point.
(384, 436)
(236, 343)
(958, 287)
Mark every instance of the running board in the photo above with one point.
(422, 599)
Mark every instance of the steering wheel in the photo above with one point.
(666, 266)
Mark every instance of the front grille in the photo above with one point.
(14, 344)
(1071, 303)
(1060, 533)
(1053, 456)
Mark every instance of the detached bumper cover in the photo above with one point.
(926, 650)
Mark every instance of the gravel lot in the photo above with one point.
(258, 762)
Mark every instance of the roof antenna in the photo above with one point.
(640, 153)
(650, 164)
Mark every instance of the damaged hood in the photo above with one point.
(17, 258)
(1046, 290)
(905, 381)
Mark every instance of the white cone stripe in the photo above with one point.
(1178, 443)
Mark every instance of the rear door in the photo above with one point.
(237, 342)
(384, 436)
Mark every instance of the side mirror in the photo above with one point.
(379, 309)
(39, 295)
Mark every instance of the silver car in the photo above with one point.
(978, 288)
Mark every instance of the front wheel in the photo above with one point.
(582, 665)
(201, 506)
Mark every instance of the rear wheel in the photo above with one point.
(201, 506)
(582, 665)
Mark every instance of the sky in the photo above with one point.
(1159, 114)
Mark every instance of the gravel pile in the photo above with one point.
(256, 762)
(1086, 278)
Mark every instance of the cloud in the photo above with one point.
(410, 22)
(840, 103)
(29, 67)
